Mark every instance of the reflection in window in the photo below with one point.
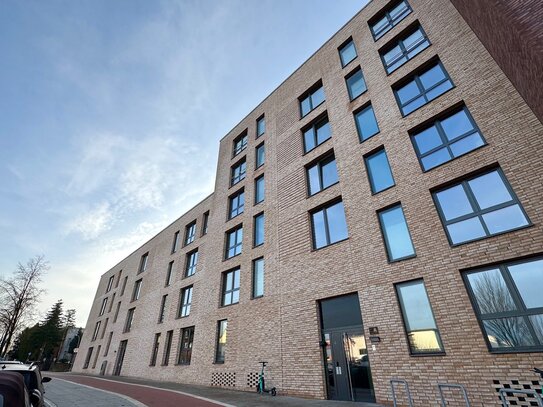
(396, 13)
(508, 301)
(260, 155)
(240, 144)
(366, 123)
(396, 234)
(379, 171)
(479, 207)
(329, 225)
(258, 231)
(190, 233)
(311, 100)
(234, 242)
(236, 204)
(258, 278)
(186, 301)
(221, 341)
(259, 189)
(418, 318)
(322, 175)
(230, 287)
(238, 172)
(192, 262)
(317, 134)
(405, 48)
(260, 126)
(185, 346)
(355, 84)
(347, 52)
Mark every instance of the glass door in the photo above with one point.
(358, 367)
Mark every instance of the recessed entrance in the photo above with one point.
(346, 361)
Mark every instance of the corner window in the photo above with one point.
(234, 242)
(322, 174)
(509, 306)
(479, 207)
(129, 320)
(347, 52)
(238, 172)
(366, 123)
(355, 83)
(396, 233)
(258, 278)
(103, 307)
(410, 44)
(185, 346)
(236, 204)
(386, 20)
(260, 156)
(258, 232)
(240, 144)
(260, 126)
(156, 345)
(186, 302)
(169, 274)
(175, 243)
(379, 172)
(192, 262)
(418, 318)
(259, 189)
(162, 311)
(422, 87)
(221, 341)
(329, 225)
(137, 290)
(110, 284)
(230, 287)
(311, 99)
(190, 233)
(316, 134)
(447, 138)
(143, 263)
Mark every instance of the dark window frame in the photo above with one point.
(253, 272)
(257, 165)
(399, 41)
(136, 290)
(230, 291)
(391, 22)
(234, 211)
(321, 161)
(384, 234)
(103, 307)
(169, 274)
(184, 355)
(162, 310)
(205, 223)
(175, 244)
(261, 119)
(143, 263)
(240, 143)
(190, 233)
(129, 320)
(185, 301)
(373, 153)
(218, 345)
(255, 225)
(342, 47)
(257, 180)
(324, 207)
(88, 357)
(360, 110)
(110, 283)
(96, 331)
(316, 124)
(167, 348)
(235, 177)
(236, 242)
(154, 351)
(309, 95)
(190, 266)
(349, 76)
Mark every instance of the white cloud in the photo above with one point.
(92, 223)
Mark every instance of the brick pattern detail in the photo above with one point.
(519, 399)
(223, 379)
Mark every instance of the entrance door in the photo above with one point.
(120, 358)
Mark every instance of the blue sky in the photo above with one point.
(111, 113)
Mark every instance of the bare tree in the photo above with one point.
(19, 295)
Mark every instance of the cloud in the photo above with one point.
(92, 223)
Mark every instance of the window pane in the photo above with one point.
(454, 202)
(323, 132)
(432, 76)
(411, 40)
(398, 10)
(537, 323)
(347, 53)
(379, 171)
(427, 140)
(260, 126)
(424, 341)
(380, 25)
(408, 92)
(413, 105)
(528, 278)
(336, 222)
(467, 144)
(366, 123)
(260, 155)
(456, 125)
(329, 173)
(306, 106)
(438, 90)
(259, 190)
(319, 231)
(490, 291)
(317, 97)
(259, 230)
(465, 230)
(309, 139)
(314, 180)
(258, 278)
(489, 190)
(505, 219)
(508, 332)
(392, 55)
(436, 158)
(396, 233)
(356, 85)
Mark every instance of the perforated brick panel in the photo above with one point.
(252, 379)
(223, 379)
(522, 400)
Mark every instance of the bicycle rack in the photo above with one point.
(441, 386)
(504, 392)
(406, 386)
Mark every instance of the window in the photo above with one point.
(117, 312)
(96, 357)
(317, 134)
(366, 123)
(190, 233)
(205, 223)
(396, 233)
(169, 274)
(236, 204)
(124, 286)
(386, 20)
(230, 287)
(355, 83)
(258, 278)
(379, 172)
(422, 88)
(96, 330)
(258, 231)
(322, 174)
(104, 330)
(154, 354)
(110, 284)
(260, 126)
(186, 301)
(111, 303)
(88, 358)
(508, 302)
(185, 346)
(234, 242)
(162, 312)
(167, 348)
(238, 172)
(129, 320)
(240, 143)
(137, 290)
(329, 225)
(192, 262)
(310, 100)
(103, 307)
(221, 341)
(175, 244)
(143, 263)
(108, 343)
(347, 52)
(482, 206)
(259, 189)
(418, 318)
(447, 138)
(118, 279)
(260, 156)
(410, 44)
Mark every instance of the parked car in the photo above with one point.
(13, 392)
(32, 379)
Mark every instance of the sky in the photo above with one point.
(111, 114)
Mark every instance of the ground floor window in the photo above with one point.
(185, 346)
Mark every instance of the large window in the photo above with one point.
(143, 263)
(355, 83)
(186, 301)
(240, 143)
(185, 346)
(154, 353)
(316, 134)
(396, 233)
(238, 172)
(191, 263)
(366, 123)
(259, 189)
(479, 207)
(329, 225)
(422, 88)
(258, 278)
(447, 138)
(509, 305)
(385, 21)
(258, 230)
(322, 174)
(162, 311)
(190, 233)
(413, 42)
(260, 155)
(221, 341)
(230, 287)
(347, 52)
(260, 126)
(169, 274)
(234, 242)
(129, 320)
(311, 99)
(379, 172)
(175, 243)
(418, 318)
(167, 348)
(236, 204)
(137, 290)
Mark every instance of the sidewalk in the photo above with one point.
(220, 395)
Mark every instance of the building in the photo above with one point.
(377, 216)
